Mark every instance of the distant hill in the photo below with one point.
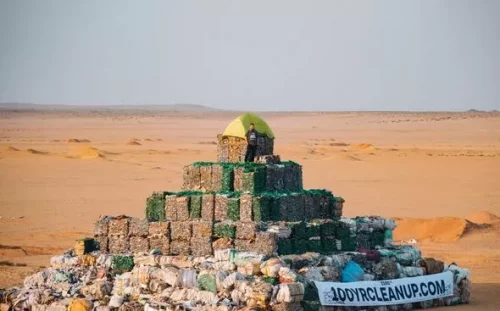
(174, 107)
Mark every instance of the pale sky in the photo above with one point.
(253, 55)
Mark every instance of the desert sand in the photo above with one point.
(436, 173)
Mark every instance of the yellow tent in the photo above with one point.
(239, 126)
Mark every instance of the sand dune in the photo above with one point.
(442, 229)
(362, 146)
(133, 143)
(86, 152)
(483, 217)
(76, 140)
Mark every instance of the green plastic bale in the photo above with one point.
(300, 246)
(195, 207)
(274, 208)
(270, 280)
(225, 230)
(261, 207)
(285, 247)
(328, 229)
(299, 231)
(233, 209)
(342, 231)
(314, 246)
(121, 264)
(311, 304)
(311, 295)
(207, 282)
(227, 178)
(155, 207)
(328, 246)
(254, 179)
(348, 244)
(313, 230)
(377, 238)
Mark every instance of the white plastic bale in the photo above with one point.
(291, 292)
(224, 266)
(104, 260)
(169, 275)
(187, 279)
(122, 284)
(407, 272)
(148, 260)
(115, 301)
(220, 276)
(231, 280)
(368, 277)
(224, 254)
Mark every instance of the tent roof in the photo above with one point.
(239, 126)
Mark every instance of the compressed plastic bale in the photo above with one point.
(207, 282)
(287, 307)
(188, 279)
(118, 226)
(290, 293)
(233, 209)
(238, 179)
(328, 229)
(298, 207)
(194, 177)
(407, 272)
(147, 260)
(386, 270)
(181, 231)
(118, 244)
(221, 207)
(101, 226)
(222, 243)
(182, 208)
(201, 246)
(195, 207)
(246, 230)
(121, 264)
(202, 229)
(101, 243)
(227, 182)
(207, 207)
(271, 267)
(139, 244)
(225, 230)
(155, 207)
(431, 265)
(261, 208)
(243, 245)
(300, 246)
(216, 181)
(161, 243)
(285, 205)
(170, 207)
(324, 205)
(180, 248)
(275, 175)
(246, 207)
(138, 227)
(377, 238)
(285, 247)
(363, 241)
(159, 228)
(314, 246)
(352, 272)
(206, 178)
(266, 243)
(254, 181)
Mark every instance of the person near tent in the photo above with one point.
(251, 137)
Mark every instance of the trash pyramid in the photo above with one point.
(242, 236)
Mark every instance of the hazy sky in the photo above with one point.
(253, 55)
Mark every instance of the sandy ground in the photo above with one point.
(432, 171)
